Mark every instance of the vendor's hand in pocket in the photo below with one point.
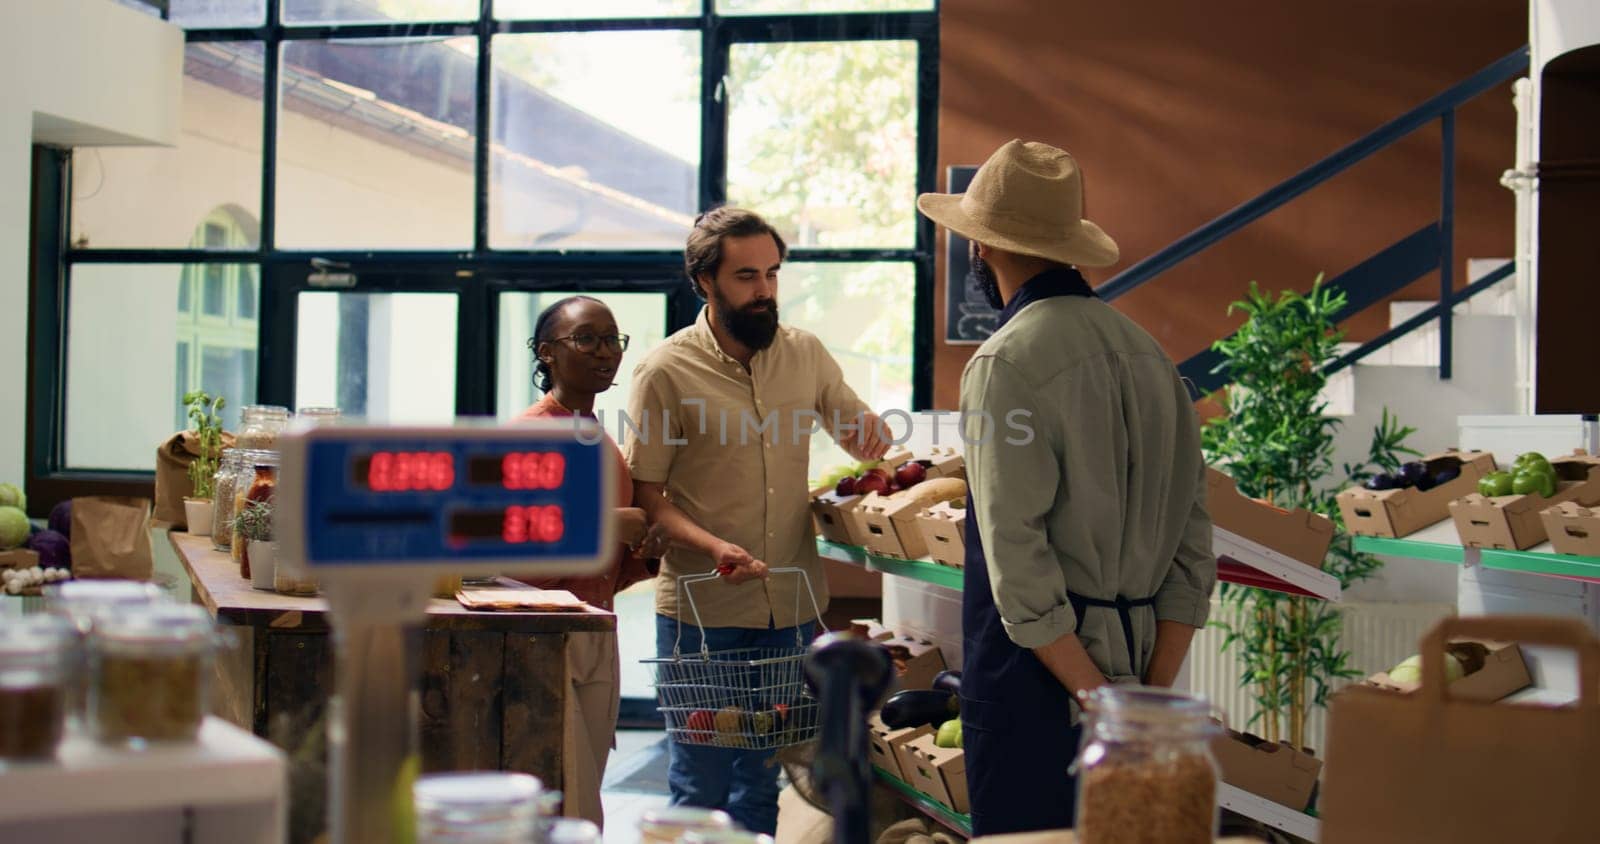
(736, 566)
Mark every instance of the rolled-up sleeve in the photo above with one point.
(1013, 486)
(1185, 594)
(649, 450)
(836, 402)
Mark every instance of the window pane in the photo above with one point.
(831, 165)
(863, 314)
(248, 295)
(377, 11)
(771, 7)
(156, 197)
(214, 299)
(388, 357)
(375, 144)
(556, 9)
(209, 14)
(641, 316)
(181, 371)
(588, 152)
(128, 362)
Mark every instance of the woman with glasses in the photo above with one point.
(577, 350)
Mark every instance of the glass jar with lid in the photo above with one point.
(35, 670)
(257, 481)
(1145, 769)
(571, 831)
(724, 836)
(260, 425)
(319, 415)
(148, 673)
(222, 506)
(477, 807)
(80, 602)
(666, 826)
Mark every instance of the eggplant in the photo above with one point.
(1413, 472)
(1425, 483)
(1446, 475)
(948, 681)
(918, 707)
(1380, 482)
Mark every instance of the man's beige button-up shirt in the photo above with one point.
(732, 448)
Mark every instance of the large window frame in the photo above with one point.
(479, 275)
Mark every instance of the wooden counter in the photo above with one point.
(493, 685)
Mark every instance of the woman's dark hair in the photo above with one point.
(702, 254)
(541, 334)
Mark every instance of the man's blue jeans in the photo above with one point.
(739, 782)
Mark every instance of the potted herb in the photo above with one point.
(254, 525)
(205, 413)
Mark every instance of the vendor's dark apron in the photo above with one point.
(1015, 715)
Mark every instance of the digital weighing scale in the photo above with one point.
(379, 514)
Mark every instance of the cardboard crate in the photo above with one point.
(938, 772)
(1277, 772)
(18, 558)
(870, 629)
(1298, 534)
(1397, 513)
(918, 661)
(944, 532)
(883, 744)
(890, 527)
(835, 516)
(1512, 522)
(943, 461)
(1502, 674)
(1573, 528)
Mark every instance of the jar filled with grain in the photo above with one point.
(148, 673)
(1145, 770)
(80, 602)
(222, 502)
(668, 825)
(35, 663)
(260, 425)
(477, 807)
(257, 481)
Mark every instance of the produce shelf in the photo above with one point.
(1248, 563)
(1541, 559)
(926, 571)
(925, 804)
(1438, 543)
(1275, 815)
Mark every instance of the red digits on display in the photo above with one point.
(544, 524)
(411, 471)
(533, 470)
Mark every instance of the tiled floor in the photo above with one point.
(624, 808)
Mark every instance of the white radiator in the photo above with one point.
(1377, 636)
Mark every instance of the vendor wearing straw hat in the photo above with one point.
(1088, 545)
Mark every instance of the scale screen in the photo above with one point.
(522, 498)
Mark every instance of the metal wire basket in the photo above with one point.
(747, 698)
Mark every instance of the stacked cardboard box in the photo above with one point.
(938, 772)
(1573, 528)
(1494, 671)
(1279, 772)
(884, 745)
(1298, 534)
(1397, 513)
(1513, 522)
(944, 530)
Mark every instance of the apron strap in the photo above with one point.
(1123, 606)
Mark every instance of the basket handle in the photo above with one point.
(681, 585)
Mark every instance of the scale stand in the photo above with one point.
(378, 514)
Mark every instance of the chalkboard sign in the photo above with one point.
(968, 317)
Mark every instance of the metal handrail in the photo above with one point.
(1500, 72)
(1353, 356)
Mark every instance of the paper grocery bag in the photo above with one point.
(173, 457)
(1426, 767)
(111, 538)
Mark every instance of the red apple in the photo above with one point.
(872, 482)
(910, 474)
(847, 486)
(703, 723)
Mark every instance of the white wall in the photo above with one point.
(98, 73)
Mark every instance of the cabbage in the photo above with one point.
(11, 496)
(61, 518)
(14, 527)
(54, 549)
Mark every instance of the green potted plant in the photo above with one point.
(253, 524)
(205, 414)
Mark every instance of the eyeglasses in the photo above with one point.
(588, 343)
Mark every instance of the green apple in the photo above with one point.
(1495, 483)
(949, 734)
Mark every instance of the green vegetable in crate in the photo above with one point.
(1495, 484)
(1531, 479)
(14, 527)
(1530, 458)
(11, 496)
(949, 734)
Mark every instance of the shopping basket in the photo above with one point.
(749, 698)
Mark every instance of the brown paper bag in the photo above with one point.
(173, 457)
(111, 538)
(1426, 767)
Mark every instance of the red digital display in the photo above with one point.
(407, 471)
(537, 523)
(519, 470)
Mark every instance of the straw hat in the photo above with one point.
(1027, 198)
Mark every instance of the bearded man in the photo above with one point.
(718, 442)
